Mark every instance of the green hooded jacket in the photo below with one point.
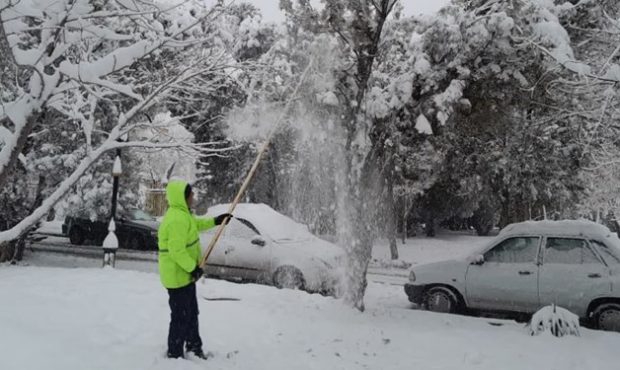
(179, 242)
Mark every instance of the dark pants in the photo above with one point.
(183, 321)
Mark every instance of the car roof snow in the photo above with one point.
(584, 228)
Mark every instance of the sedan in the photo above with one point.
(573, 264)
(135, 229)
(264, 246)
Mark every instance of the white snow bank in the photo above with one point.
(76, 319)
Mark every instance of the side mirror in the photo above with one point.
(478, 260)
(259, 241)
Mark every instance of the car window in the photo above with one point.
(238, 229)
(608, 254)
(514, 250)
(140, 215)
(569, 251)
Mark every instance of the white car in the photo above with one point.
(573, 264)
(264, 246)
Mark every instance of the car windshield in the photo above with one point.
(480, 250)
(267, 222)
(613, 243)
(139, 215)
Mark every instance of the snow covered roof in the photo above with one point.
(564, 228)
(267, 220)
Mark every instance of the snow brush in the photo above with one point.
(250, 174)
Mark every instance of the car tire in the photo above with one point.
(441, 300)
(136, 242)
(288, 277)
(76, 236)
(607, 317)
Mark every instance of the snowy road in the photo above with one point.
(58, 252)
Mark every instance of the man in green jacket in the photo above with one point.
(179, 266)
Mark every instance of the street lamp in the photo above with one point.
(110, 243)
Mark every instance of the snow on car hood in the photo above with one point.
(318, 248)
(268, 221)
(441, 272)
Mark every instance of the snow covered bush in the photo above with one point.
(556, 320)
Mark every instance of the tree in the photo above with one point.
(359, 26)
(71, 61)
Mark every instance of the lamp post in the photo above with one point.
(110, 243)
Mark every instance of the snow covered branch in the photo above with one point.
(75, 60)
(65, 47)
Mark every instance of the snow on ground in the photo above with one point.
(92, 318)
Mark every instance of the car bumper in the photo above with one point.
(325, 282)
(415, 293)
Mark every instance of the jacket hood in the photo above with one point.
(175, 194)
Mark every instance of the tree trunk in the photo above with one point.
(7, 251)
(391, 217)
(405, 228)
(353, 208)
(13, 151)
(359, 253)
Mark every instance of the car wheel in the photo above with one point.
(288, 277)
(135, 242)
(607, 317)
(76, 236)
(440, 299)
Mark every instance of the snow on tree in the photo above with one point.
(359, 26)
(71, 59)
(556, 320)
(507, 125)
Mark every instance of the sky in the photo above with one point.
(271, 11)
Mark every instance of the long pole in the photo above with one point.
(115, 189)
(252, 171)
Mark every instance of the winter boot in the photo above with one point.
(200, 354)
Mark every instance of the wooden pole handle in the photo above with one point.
(252, 171)
(236, 201)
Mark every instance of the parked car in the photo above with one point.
(573, 264)
(264, 246)
(135, 229)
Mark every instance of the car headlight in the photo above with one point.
(412, 276)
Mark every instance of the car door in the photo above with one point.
(572, 275)
(216, 264)
(245, 259)
(123, 230)
(507, 278)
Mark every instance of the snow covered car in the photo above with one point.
(573, 264)
(264, 246)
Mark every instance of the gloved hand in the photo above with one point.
(219, 219)
(197, 273)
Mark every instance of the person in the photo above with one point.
(179, 266)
